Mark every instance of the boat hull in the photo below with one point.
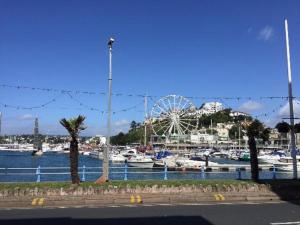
(141, 164)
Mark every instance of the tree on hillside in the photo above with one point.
(74, 126)
(283, 127)
(254, 131)
(297, 128)
(233, 132)
(133, 125)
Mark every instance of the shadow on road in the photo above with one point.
(286, 190)
(174, 220)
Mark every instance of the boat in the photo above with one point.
(96, 154)
(38, 152)
(285, 164)
(140, 161)
(117, 158)
(244, 155)
(268, 159)
(193, 164)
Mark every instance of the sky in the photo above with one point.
(191, 48)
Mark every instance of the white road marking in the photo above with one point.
(114, 206)
(286, 223)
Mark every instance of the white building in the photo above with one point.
(97, 139)
(202, 137)
(210, 108)
(237, 113)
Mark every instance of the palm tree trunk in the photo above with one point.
(253, 158)
(74, 161)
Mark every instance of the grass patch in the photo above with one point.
(148, 183)
(123, 184)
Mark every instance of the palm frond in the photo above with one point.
(74, 125)
(79, 123)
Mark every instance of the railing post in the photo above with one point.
(202, 172)
(38, 173)
(239, 173)
(125, 170)
(165, 171)
(274, 172)
(83, 173)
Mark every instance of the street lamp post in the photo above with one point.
(293, 143)
(105, 165)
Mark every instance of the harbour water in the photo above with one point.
(22, 167)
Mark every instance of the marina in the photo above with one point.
(17, 166)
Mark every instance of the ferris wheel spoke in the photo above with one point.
(166, 110)
(164, 122)
(185, 128)
(162, 110)
(184, 124)
(180, 129)
(188, 120)
(162, 127)
(158, 113)
(169, 104)
(166, 107)
(183, 112)
(178, 106)
(188, 124)
(169, 129)
(174, 102)
(182, 108)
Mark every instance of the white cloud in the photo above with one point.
(285, 110)
(250, 106)
(26, 117)
(120, 126)
(120, 123)
(266, 33)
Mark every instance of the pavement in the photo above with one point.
(214, 213)
(135, 198)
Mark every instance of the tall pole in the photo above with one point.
(107, 149)
(0, 122)
(36, 141)
(293, 143)
(146, 116)
(239, 136)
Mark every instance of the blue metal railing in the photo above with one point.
(124, 172)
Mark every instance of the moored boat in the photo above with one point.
(140, 161)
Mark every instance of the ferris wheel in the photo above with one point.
(173, 115)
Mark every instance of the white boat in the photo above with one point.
(169, 161)
(37, 152)
(286, 164)
(85, 153)
(129, 152)
(140, 161)
(117, 158)
(96, 154)
(287, 168)
(193, 164)
(268, 159)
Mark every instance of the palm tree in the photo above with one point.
(255, 130)
(283, 128)
(74, 126)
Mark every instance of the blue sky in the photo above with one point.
(190, 48)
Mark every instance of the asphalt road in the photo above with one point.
(217, 214)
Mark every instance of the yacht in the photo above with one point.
(38, 152)
(117, 158)
(140, 161)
